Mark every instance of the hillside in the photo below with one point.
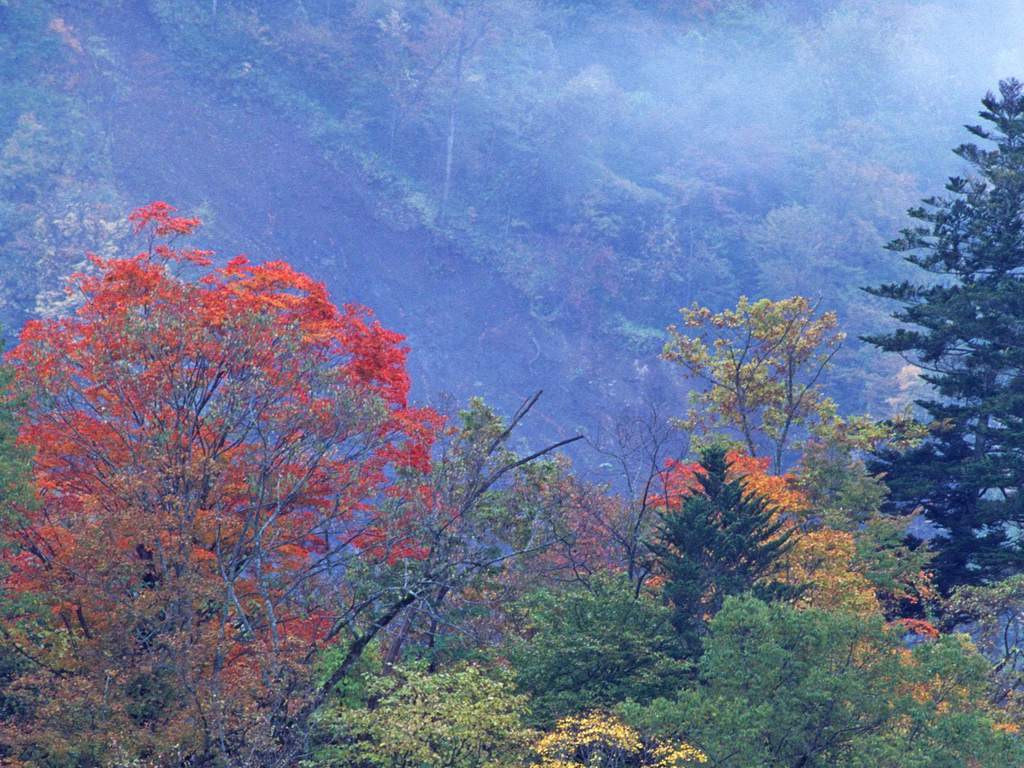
(609, 164)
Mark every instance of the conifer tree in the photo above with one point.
(964, 327)
(722, 540)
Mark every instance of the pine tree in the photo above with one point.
(965, 329)
(722, 540)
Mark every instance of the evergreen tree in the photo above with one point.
(722, 540)
(965, 329)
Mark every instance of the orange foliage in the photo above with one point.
(822, 559)
(211, 455)
(780, 490)
(919, 627)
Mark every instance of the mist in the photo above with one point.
(529, 191)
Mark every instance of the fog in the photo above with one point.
(528, 190)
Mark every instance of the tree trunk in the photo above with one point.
(453, 108)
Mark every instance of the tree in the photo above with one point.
(723, 539)
(493, 518)
(763, 362)
(15, 494)
(229, 480)
(591, 647)
(962, 328)
(457, 718)
(845, 554)
(15, 457)
(788, 688)
(824, 563)
(994, 616)
(607, 525)
(598, 740)
(843, 504)
(212, 457)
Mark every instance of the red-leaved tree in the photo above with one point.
(218, 452)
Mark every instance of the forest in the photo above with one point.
(511, 384)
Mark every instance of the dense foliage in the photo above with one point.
(785, 687)
(209, 456)
(589, 648)
(724, 539)
(230, 537)
(230, 540)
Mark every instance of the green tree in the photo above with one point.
(788, 688)
(963, 328)
(591, 647)
(994, 615)
(721, 540)
(15, 494)
(452, 719)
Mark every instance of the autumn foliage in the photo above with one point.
(235, 532)
(214, 449)
(826, 561)
(597, 739)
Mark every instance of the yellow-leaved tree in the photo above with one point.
(598, 740)
(762, 364)
(457, 718)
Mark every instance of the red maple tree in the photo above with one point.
(216, 451)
